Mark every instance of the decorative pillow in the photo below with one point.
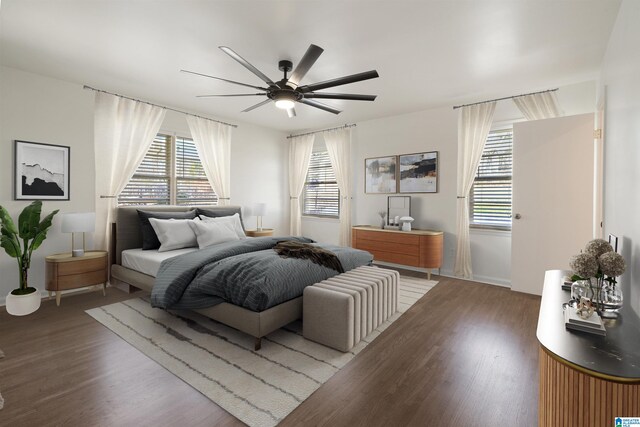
(233, 221)
(174, 233)
(213, 232)
(221, 212)
(149, 237)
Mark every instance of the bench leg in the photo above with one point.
(258, 344)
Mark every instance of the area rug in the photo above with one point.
(259, 388)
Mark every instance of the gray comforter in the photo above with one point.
(247, 273)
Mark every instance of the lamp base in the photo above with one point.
(77, 252)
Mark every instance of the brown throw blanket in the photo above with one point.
(316, 254)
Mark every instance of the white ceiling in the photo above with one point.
(428, 53)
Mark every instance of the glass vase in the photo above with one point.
(612, 300)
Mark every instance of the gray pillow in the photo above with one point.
(222, 211)
(149, 236)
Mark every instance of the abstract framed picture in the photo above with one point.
(41, 171)
(419, 172)
(380, 175)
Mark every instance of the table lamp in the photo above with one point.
(259, 210)
(78, 223)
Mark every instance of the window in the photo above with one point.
(490, 203)
(321, 196)
(170, 173)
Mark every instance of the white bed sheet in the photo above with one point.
(148, 262)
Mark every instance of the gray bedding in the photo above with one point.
(247, 273)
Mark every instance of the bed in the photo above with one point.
(133, 268)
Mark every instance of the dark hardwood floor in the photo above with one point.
(465, 354)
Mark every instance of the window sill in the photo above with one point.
(320, 218)
(484, 230)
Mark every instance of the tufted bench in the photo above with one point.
(341, 311)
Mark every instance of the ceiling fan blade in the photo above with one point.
(224, 80)
(291, 112)
(247, 65)
(349, 96)
(310, 57)
(339, 81)
(237, 94)
(320, 105)
(253, 107)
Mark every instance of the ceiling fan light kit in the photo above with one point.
(286, 92)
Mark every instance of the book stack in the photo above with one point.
(592, 325)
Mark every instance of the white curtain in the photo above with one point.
(213, 142)
(474, 123)
(300, 148)
(123, 131)
(338, 144)
(538, 106)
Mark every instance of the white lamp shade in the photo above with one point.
(78, 222)
(406, 219)
(259, 209)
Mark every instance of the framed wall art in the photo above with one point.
(419, 172)
(380, 175)
(41, 171)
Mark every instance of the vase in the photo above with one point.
(21, 305)
(382, 223)
(612, 300)
(607, 297)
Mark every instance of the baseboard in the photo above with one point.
(481, 279)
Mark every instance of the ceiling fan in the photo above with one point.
(286, 92)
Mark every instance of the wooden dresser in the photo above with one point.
(65, 272)
(415, 248)
(585, 380)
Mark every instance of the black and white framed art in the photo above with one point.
(41, 171)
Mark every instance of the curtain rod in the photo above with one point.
(323, 130)
(506, 97)
(156, 105)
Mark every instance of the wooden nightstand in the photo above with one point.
(262, 233)
(66, 272)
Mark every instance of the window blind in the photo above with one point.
(170, 173)
(151, 182)
(490, 202)
(321, 196)
(192, 185)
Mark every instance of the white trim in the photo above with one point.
(490, 232)
(313, 218)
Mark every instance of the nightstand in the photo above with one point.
(262, 233)
(65, 272)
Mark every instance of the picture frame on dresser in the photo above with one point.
(41, 171)
(380, 175)
(418, 172)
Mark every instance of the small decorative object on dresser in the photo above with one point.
(64, 271)
(596, 270)
(382, 215)
(259, 233)
(406, 223)
(32, 232)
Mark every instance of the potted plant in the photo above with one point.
(32, 231)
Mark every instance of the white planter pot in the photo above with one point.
(21, 305)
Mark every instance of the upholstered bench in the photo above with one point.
(341, 311)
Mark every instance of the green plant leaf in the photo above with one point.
(43, 227)
(6, 222)
(29, 220)
(10, 243)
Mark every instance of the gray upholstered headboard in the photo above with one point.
(126, 231)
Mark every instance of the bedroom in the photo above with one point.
(44, 68)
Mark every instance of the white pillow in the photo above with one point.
(213, 232)
(233, 220)
(174, 233)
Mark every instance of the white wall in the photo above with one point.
(621, 68)
(437, 130)
(40, 109)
